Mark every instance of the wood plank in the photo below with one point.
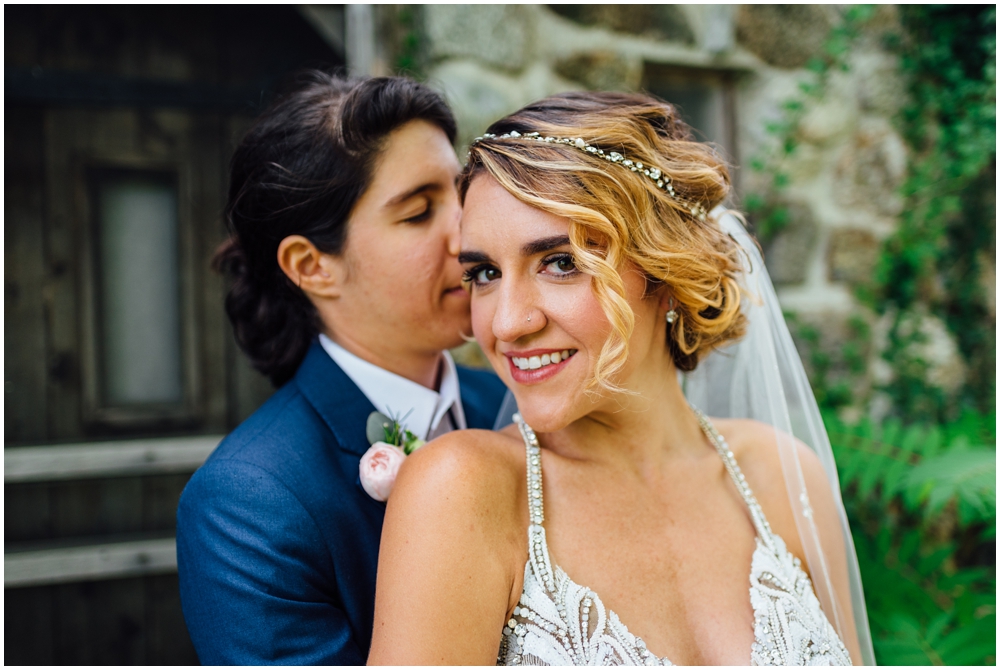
(160, 497)
(90, 563)
(107, 459)
(167, 639)
(27, 513)
(27, 629)
(100, 623)
(91, 507)
(24, 278)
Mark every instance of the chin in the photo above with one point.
(548, 415)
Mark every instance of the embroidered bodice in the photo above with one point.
(559, 622)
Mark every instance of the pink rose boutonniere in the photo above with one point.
(391, 443)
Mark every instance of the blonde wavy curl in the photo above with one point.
(620, 219)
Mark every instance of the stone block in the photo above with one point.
(499, 35)
(479, 95)
(827, 121)
(662, 22)
(785, 36)
(789, 253)
(852, 255)
(601, 71)
(871, 169)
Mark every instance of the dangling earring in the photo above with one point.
(672, 314)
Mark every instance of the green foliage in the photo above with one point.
(408, 60)
(922, 505)
(934, 260)
(919, 487)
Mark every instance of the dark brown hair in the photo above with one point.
(299, 171)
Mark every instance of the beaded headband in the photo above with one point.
(653, 173)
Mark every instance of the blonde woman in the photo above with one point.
(616, 523)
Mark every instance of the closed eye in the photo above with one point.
(421, 217)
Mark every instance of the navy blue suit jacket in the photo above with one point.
(277, 543)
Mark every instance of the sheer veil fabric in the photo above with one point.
(761, 377)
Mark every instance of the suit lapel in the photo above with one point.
(336, 398)
(345, 409)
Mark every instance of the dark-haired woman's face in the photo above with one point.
(402, 293)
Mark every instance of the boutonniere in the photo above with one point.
(391, 443)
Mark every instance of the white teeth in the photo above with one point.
(536, 362)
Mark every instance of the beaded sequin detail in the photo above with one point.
(559, 622)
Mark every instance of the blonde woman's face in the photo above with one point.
(534, 313)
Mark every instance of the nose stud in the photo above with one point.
(529, 317)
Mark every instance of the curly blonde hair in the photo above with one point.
(620, 218)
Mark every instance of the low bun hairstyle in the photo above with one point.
(620, 218)
(299, 171)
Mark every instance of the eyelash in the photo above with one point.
(469, 276)
(421, 217)
(561, 257)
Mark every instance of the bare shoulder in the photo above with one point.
(757, 445)
(454, 535)
(483, 470)
(758, 449)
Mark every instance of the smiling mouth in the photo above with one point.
(538, 362)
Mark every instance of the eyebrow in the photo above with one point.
(474, 257)
(528, 249)
(544, 244)
(403, 197)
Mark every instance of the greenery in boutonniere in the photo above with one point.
(390, 430)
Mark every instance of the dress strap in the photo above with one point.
(760, 523)
(535, 507)
(538, 548)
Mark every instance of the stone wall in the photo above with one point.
(843, 199)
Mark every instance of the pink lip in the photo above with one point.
(529, 377)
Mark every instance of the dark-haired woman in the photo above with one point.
(346, 292)
(617, 524)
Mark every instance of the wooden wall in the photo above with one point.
(137, 86)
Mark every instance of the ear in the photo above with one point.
(666, 299)
(316, 273)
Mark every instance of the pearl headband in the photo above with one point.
(653, 173)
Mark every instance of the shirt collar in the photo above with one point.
(395, 396)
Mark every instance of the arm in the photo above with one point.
(448, 562)
(255, 573)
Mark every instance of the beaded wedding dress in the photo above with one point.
(559, 622)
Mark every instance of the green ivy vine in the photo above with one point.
(920, 486)
(934, 262)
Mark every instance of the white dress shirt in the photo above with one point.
(428, 413)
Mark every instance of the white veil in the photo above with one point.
(761, 377)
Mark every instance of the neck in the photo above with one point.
(422, 368)
(635, 431)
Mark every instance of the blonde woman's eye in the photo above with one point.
(481, 275)
(561, 265)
